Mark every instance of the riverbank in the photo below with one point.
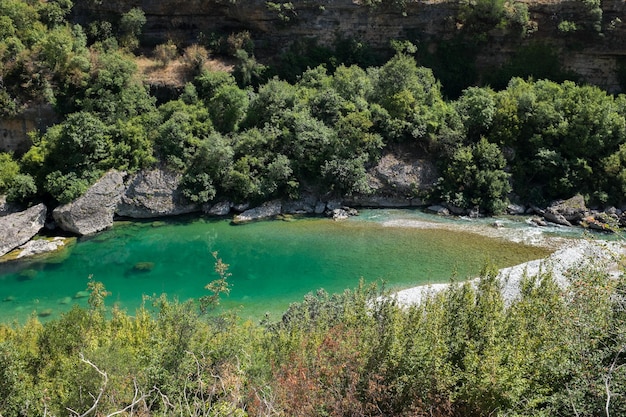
(571, 254)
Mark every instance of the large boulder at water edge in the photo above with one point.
(19, 228)
(264, 211)
(154, 193)
(93, 211)
(565, 212)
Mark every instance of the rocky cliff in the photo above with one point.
(592, 46)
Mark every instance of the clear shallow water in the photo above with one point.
(272, 263)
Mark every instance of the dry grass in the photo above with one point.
(175, 73)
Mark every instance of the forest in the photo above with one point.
(315, 121)
(310, 122)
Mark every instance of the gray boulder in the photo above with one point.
(93, 211)
(154, 193)
(600, 221)
(573, 210)
(305, 205)
(516, 209)
(378, 201)
(320, 207)
(7, 208)
(556, 218)
(41, 246)
(437, 209)
(19, 228)
(264, 211)
(219, 209)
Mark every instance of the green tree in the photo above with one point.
(227, 107)
(474, 176)
(206, 168)
(131, 25)
(113, 92)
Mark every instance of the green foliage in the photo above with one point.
(9, 168)
(180, 132)
(411, 99)
(131, 25)
(463, 351)
(567, 26)
(474, 176)
(477, 108)
(565, 138)
(206, 168)
(217, 287)
(82, 142)
(247, 70)
(113, 91)
(227, 107)
(22, 188)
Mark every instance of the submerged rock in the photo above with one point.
(93, 211)
(39, 247)
(27, 275)
(18, 228)
(65, 300)
(81, 294)
(143, 266)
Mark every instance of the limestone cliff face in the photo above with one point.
(595, 57)
(14, 131)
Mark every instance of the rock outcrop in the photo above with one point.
(264, 211)
(273, 26)
(154, 193)
(40, 247)
(572, 210)
(221, 208)
(19, 228)
(93, 211)
(395, 182)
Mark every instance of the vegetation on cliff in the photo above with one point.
(249, 137)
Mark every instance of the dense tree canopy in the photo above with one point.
(541, 140)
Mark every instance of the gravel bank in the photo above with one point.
(573, 254)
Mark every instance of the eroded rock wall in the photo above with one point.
(595, 57)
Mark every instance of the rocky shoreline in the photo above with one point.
(156, 193)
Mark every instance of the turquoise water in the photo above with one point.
(272, 263)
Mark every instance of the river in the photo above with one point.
(273, 263)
